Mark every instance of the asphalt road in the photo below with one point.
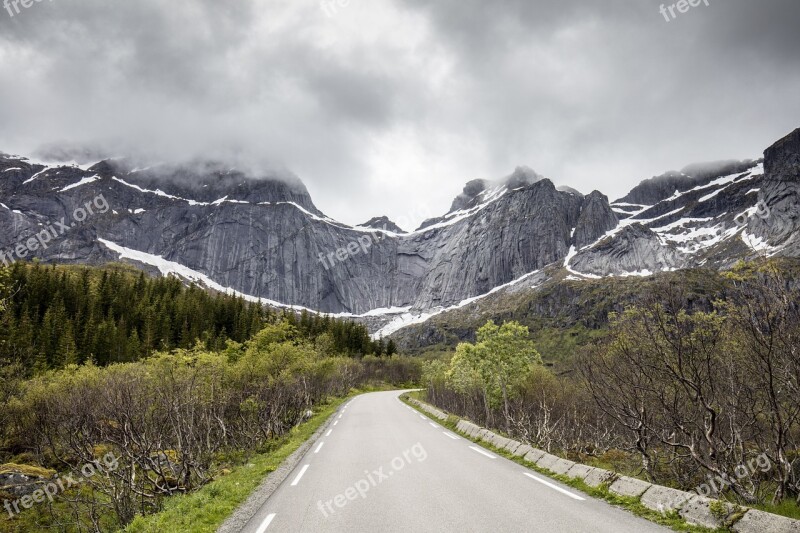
(384, 467)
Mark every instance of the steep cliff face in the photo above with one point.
(597, 218)
(635, 250)
(265, 238)
(781, 198)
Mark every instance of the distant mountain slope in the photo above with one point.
(264, 237)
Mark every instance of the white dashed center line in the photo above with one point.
(554, 487)
(265, 524)
(300, 475)
(482, 452)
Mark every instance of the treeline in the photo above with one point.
(173, 421)
(57, 316)
(674, 396)
(340, 336)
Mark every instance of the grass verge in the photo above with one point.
(633, 505)
(205, 510)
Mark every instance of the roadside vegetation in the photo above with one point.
(680, 394)
(669, 519)
(167, 429)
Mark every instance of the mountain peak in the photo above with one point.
(522, 177)
(382, 223)
(658, 188)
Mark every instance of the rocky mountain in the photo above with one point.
(262, 236)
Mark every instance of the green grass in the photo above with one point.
(788, 508)
(205, 510)
(671, 520)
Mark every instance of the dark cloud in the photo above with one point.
(387, 106)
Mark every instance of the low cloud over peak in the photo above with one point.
(373, 102)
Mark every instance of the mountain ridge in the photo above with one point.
(262, 237)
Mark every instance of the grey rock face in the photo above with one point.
(634, 249)
(781, 196)
(266, 238)
(469, 197)
(597, 218)
(659, 188)
(382, 223)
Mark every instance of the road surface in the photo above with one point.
(384, 467)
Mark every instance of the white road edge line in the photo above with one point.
(340, 416)
(300, 475)
(328, 434)
(555, 487)
(319, 447)
(451, 435)
(433, 425)
(265, 524)
(335, 422)
(482, 452)
(422, 417)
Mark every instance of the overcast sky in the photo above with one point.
(390, 106)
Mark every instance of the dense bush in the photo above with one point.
(684, 395)
(172, 420)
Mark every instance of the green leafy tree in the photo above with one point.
(498, 364)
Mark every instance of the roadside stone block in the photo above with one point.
(665, 499)
(755, 521)
(522, 451)
(628, 486)
(562, 466)
(512, 445)
(547, 461)
(578, 471)
(500, 442)
(598, 476)
(697, 511)
(534, 455)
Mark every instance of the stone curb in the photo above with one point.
(630, 487)
(694, 509)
